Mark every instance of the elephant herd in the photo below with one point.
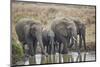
(62, 32)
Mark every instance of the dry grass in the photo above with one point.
(46, 12)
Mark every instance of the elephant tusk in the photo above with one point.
(74, 38)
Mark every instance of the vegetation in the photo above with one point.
(17, 52)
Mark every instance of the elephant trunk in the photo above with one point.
(52, 44)
(39, 39)
(74, 39)
(51, 35)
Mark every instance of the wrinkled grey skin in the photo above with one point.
(29, 33)
(48, 40)
(81, 32)
(64, 30)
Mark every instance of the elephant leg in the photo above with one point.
(80, 40)
(65, 47)
(29, 41)
(68, 41)
(23, 48)
(34, 47)
(45, 47)
(26, 48)
(76, 45)
(56, 47)
(84, 41)
(71, 42)
(59, 45)
(31, 51)
(48, 47)
(52, 47)
(24, 52)
(43, 50)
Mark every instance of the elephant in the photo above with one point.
(48, 40)
(29, 32)
(64, 30)
(81, 30)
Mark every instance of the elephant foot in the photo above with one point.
(65, 52)
(31, 54)
(70, 46)
(44, 53)
(25, 59)
(80, 46)
(85, 48)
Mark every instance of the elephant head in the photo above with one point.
(36, 31)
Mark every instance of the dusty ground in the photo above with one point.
(47, 12)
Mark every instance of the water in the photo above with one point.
(38, 58)
(61, 58)
(85, 56)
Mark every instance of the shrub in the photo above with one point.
(17, 52)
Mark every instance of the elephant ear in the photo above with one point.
(27, 32)
(26, 29)
(32, 29)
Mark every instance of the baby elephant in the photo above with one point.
(48, 40)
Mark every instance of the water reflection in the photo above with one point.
(38, 58)
(61, 58)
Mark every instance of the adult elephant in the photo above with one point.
(29, 33)
(81, 30)
(64, 30)
(48, 40)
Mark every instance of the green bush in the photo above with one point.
(17, 52)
